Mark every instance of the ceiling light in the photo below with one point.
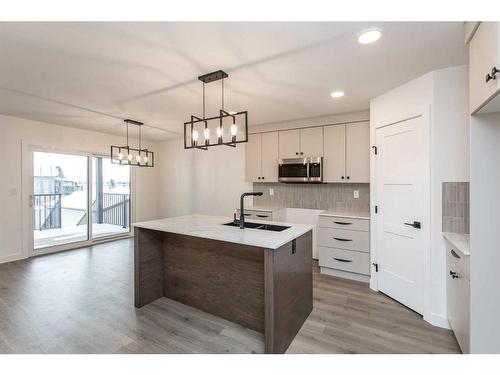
(337, 94)
(124, 155)
(369, 36)
(215, 123)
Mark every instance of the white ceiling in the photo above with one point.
(91, 75)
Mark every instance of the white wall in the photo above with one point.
(445, 93)
(485, 233)
(14, 132)
(211, 182)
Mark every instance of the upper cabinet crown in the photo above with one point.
(347, 153)
(484, 68)
(301, 143)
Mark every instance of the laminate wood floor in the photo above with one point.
(81, 301)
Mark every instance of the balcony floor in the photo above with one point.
(73, 233)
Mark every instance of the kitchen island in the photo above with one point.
(260, 279)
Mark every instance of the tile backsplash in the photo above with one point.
(456, 207)
(338, 197)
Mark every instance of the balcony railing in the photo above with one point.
(113, 209)
(47, 211)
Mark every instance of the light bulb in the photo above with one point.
(219, 132)
(146, 159)
(138, 158)
(129, 156)
(120, 155)
(234, 130)
(206, 133)
(195, 135)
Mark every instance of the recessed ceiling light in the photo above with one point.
(337, 94)
(369, 36)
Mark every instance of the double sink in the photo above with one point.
(270, 227)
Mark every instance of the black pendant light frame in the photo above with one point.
(144, 152)
(189, 126)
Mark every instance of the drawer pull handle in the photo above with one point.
(262, 216)
(342, 239)
(247, 214)
(341, 223)
(455, 254)
(343, 260)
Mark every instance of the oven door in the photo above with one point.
(294, 170)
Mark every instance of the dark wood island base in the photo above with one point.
(267, 290)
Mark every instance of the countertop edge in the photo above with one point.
(460, 241)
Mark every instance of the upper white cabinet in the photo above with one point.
(289, 144)
(347, 153)
(484, 68)
(334, 154)
(301, 143)
(357, 148)
(311, 141)
(262, 157)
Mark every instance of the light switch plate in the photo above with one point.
(356, 194)
(271, 191)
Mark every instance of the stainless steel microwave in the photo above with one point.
(309, 169)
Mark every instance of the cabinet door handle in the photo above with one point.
(454, 275)
(493, 74)
(348, 177)
(342, 239)
(262, 215)
(342, 177)
(343, 260)
(341, 223)
(455, 254)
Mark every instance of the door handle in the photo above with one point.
(32, 200)
(343, 260)
(454, 254)
(415, 224)
(342, 239)
(493, 74)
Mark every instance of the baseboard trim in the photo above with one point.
(345, 275)
(438, 320)
(11, 258)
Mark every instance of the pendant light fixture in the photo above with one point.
(136, 157)
(204, 127)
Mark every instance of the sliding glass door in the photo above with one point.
(63, 207)
(60, 199)
(111, 198)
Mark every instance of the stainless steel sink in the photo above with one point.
(271, 227)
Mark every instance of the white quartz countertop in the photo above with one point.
(460, 241)
(346, 214)
(207, 226)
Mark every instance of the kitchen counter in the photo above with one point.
(259, 279)
(346, 214)
(211, 227)
(460, 241)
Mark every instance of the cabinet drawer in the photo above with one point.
(344, 223)
(345, 260)
(344, 239)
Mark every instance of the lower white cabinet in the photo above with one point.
(458, 294)
(344, 245)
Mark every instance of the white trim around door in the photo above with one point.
(419, 297)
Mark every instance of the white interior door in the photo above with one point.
(402, 174)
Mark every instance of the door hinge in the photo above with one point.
(375, 149)
(376, 209)
(376, 266)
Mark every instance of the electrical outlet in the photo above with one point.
(356, 194)
(271, 191)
